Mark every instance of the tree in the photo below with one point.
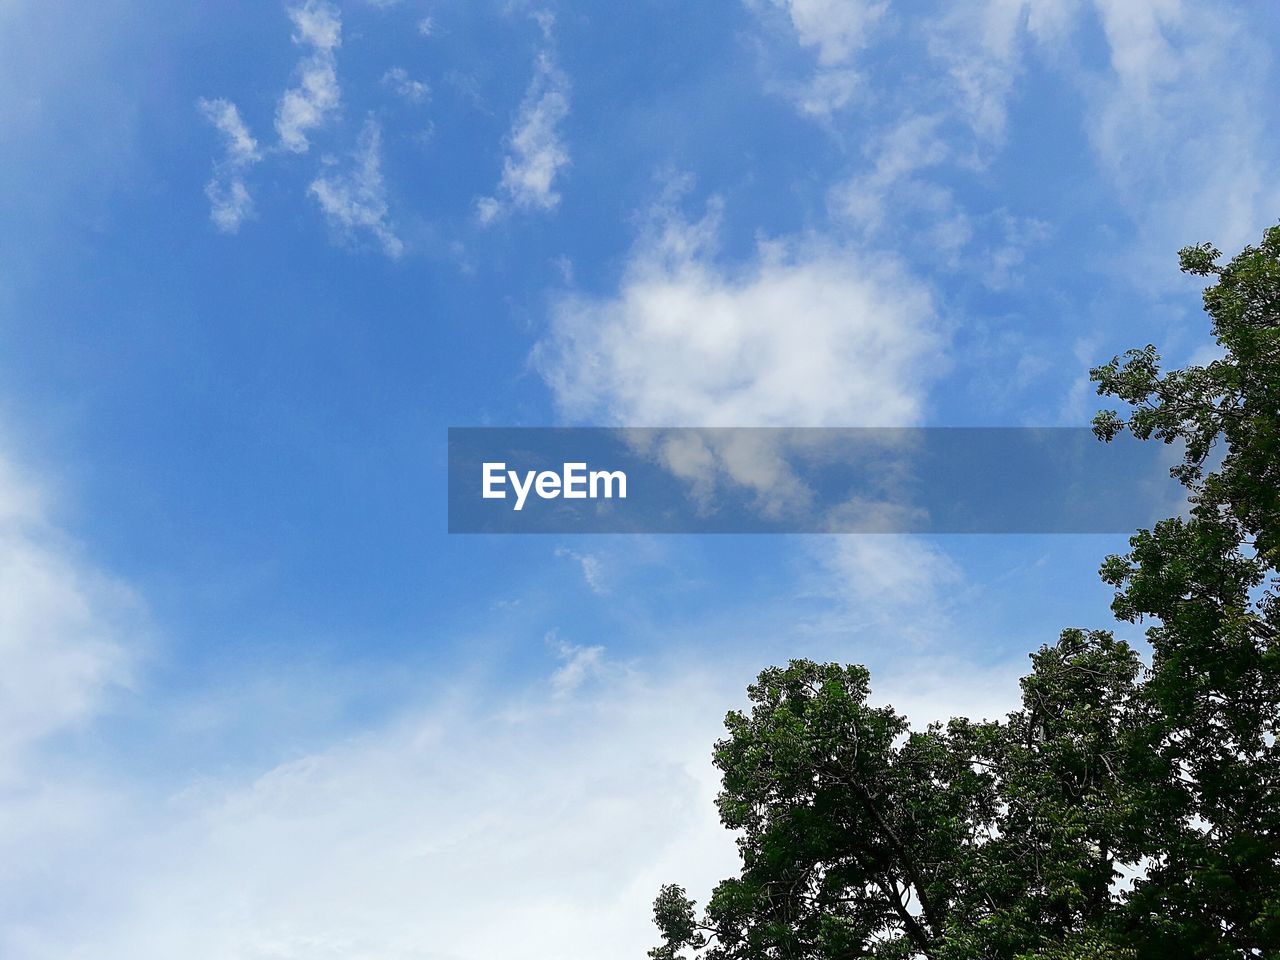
(1211, 706)
(1125, 810)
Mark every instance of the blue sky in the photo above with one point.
(257, 257)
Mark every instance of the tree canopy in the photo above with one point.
(1126, 809)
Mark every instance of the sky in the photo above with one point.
(256, 258)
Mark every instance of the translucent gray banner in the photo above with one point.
(760, 480)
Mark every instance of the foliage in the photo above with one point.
(1125, 810)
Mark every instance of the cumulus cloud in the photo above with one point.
(536, 153)
(229, 200)
(806, 333)
(355, 200)
(307, 105)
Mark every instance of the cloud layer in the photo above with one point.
(560, 810)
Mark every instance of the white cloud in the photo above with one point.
(1081, 403)
(319, 25)
(592, 568)
(1018, 235)
(806, 333)
(307, 105)
(981, 51)
(892, 586)
(1177, 127)
(895, 202)
(941, 686)
(64, 629)
(563, 812)
(397, 79)
(564, 809)
(536, 153)
(759, 462)
(356, 200)
(1174, 121)
(579, 665)
(229, 200)
(241, 148)
(567, 804)
(58, 658)
(835, 31)
(230, 203)
(910, 144)
(829, 90)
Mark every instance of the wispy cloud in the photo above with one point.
(578, 665)
(307, 105)
(835, 31)
(64, 629)
(398, 81)
(1171, 115)
(978, 55)
(1177, 127)
(891, 587)
(1175, 130)
(592, 568)
(355, 201)
(407, 834)
(536, 153)
(229, 200)
(910, 144)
